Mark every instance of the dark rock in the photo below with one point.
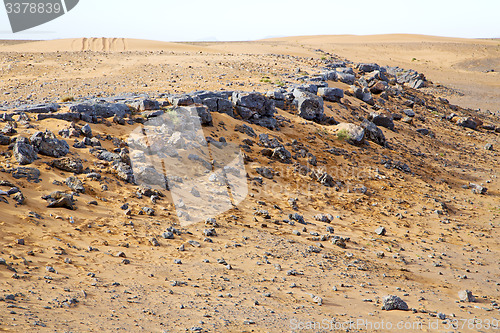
(310, 106)
(19, 198)
(61, 200)
(368, 67)
(250, 104)
(331, 94)
(265, 172)
(31, 174)
(282, 155)
(24, 151)
(4, 140)
(373, 133)
(467, 122)
(68, 164)
(246, 130)
(378, 87)
(392, 302)
(478, 189)
(146, 104)
(67, 116)
(183, 100)
(75, 184)
(87, 131)
(47, 144)
(92, 110)
(423, 131)
(40, 108)
(381, 119)
(124, 172)
(149, 211)
(202, 112)
(346, 78)
(466, 296)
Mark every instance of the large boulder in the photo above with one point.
(24, 151)
(378, 87)
(382, 119)
(368, 67)
(330, 76)
(331, 94)
(146, 104)
(47, 144)
(363, 94)
(373, 133)
(75, 184)
(40, 108)
(217, 104)
(467, 122)
(250, 104)
(91, 110)
(346, 78)
(310, 106)
(350, 132)
(202, 111)
(68, 164)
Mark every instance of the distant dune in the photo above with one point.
(95, 44)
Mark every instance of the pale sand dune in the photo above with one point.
(98, 44)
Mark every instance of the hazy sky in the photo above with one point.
(194, 20)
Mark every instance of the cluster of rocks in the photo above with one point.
(45, 143)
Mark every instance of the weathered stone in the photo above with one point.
(331, 94)
(40, 108)
(368, 67)
(75, 184)
(363, 94)
(378, 87)
(246, 130)
(392, 302)
(31, 174)
(350, 132)
(310, 106)
(373, 133)
(146, 104)
(87, 131)
(382, 119)
(380, 231)
(467, 122)
(282, 155)
(24, 151)
(95, 109)
(466, 296)
(251, 104)
(265, 172)
(68, 164)
(67, 116)
(47, 144)
(346, 78)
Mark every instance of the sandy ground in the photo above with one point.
(440, 238)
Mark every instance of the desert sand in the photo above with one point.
(97, 268)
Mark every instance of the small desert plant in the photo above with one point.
(414, 59)
(265, 80)
(280, 83)
(67, 99)
(343, 135)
